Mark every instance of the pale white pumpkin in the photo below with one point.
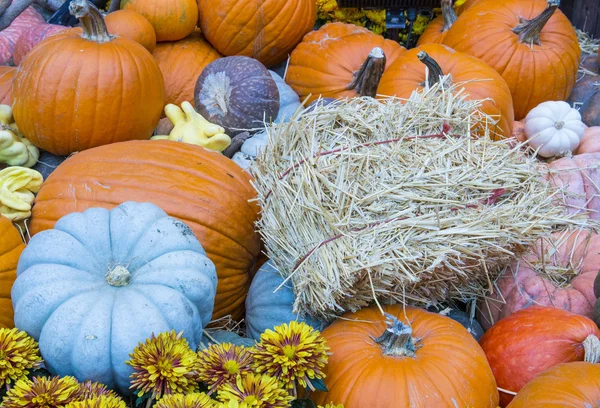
(554, 128)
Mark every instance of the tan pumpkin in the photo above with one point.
(128, 23)
(11, 246)
(558, 271)
(181, 63)
(172, 20)
(590, 142)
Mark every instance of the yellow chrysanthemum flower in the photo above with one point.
(292, 352)
(231, 404)
(103, 401)
(192, 400)
(257, 391)
(221, 363)
(42, 392)
(19, 353)
(165, 364)
(331, 405)
(90, 390)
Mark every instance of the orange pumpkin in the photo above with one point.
(181, 63)
(11, 246)
(538, 58)
(408, 73)
(7, 76)
(336, 61)
(267, 30)
(590, 142)
(75, 90)
(526, 343)
(437, 29)
(379, 365)
(204, 189)
(172, 20)
(128, 23)
(569, 385)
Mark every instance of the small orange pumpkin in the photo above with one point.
(336, 61)
(379, 364)
(436, 30)
(181, 63)
(77, 90)
(590, 142)
(128, 23)
(7, 76)
(11, 246)
(172, 20)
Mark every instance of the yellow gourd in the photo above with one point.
(17, 188)
(15, 150)
(191, 127)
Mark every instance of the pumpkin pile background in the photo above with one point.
(132, 271)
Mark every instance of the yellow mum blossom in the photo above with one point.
(192, 400)
(42, 392)
(19, 353)
(221, 363)
(231, 404)
(257, 391)
(331, 405)
(90, 390)
(103, 401)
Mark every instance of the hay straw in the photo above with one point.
(587, 44)
(396, 201)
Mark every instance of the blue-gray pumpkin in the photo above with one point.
(267, 307)
(103, 281)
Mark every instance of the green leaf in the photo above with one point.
(140, 400)
(319, 385)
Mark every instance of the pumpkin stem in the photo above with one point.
(92, 22)
(397, 340)
(366, 79)
(119, 276)
(435, 71)
(449, 15)
(529, 30)
(591, 345)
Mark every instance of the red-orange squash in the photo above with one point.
(9, 36)
(518, 131)
(75, 90)
(419, 359)
(11, 246)
(590, 142)
(558, 271)
(172, 19)
(570, 385)
(33, 36)
(526, 343)
(336, 62)
(204, 189)
(128, 23)
(526, 53)
(267, 30)
(408, 74)
(7, 76)
(181, 63)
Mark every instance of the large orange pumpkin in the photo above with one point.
(7, 76)
(408, 73)
(526, 343)
(181, 63)
(204, 189)
(11, 246)
(569, 385)
(267, 30)
(75, 90)
(336, 61)
(172, 19)
(434, 362)
(128, 23)
(538, 58)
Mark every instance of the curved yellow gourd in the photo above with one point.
(17, 188)
(191, 127)
(15, 150)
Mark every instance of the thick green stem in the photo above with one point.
(92, 22)
(435, 71)
(366, 79)
(529, 30)
(397, 340)
(449, 15)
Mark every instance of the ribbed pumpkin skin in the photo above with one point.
(172, 19)
(526, 343)
(407, 74)
(449, 366)
(485, 31)
(7, 76)
(11, 246)
(181, 63)
(325, 61)
(569, 385)
(72, 94)
(204, 189)
(267, 30)
(128, 23)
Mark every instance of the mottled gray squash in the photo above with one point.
(237, 93)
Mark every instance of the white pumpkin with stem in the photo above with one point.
(554, 128)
